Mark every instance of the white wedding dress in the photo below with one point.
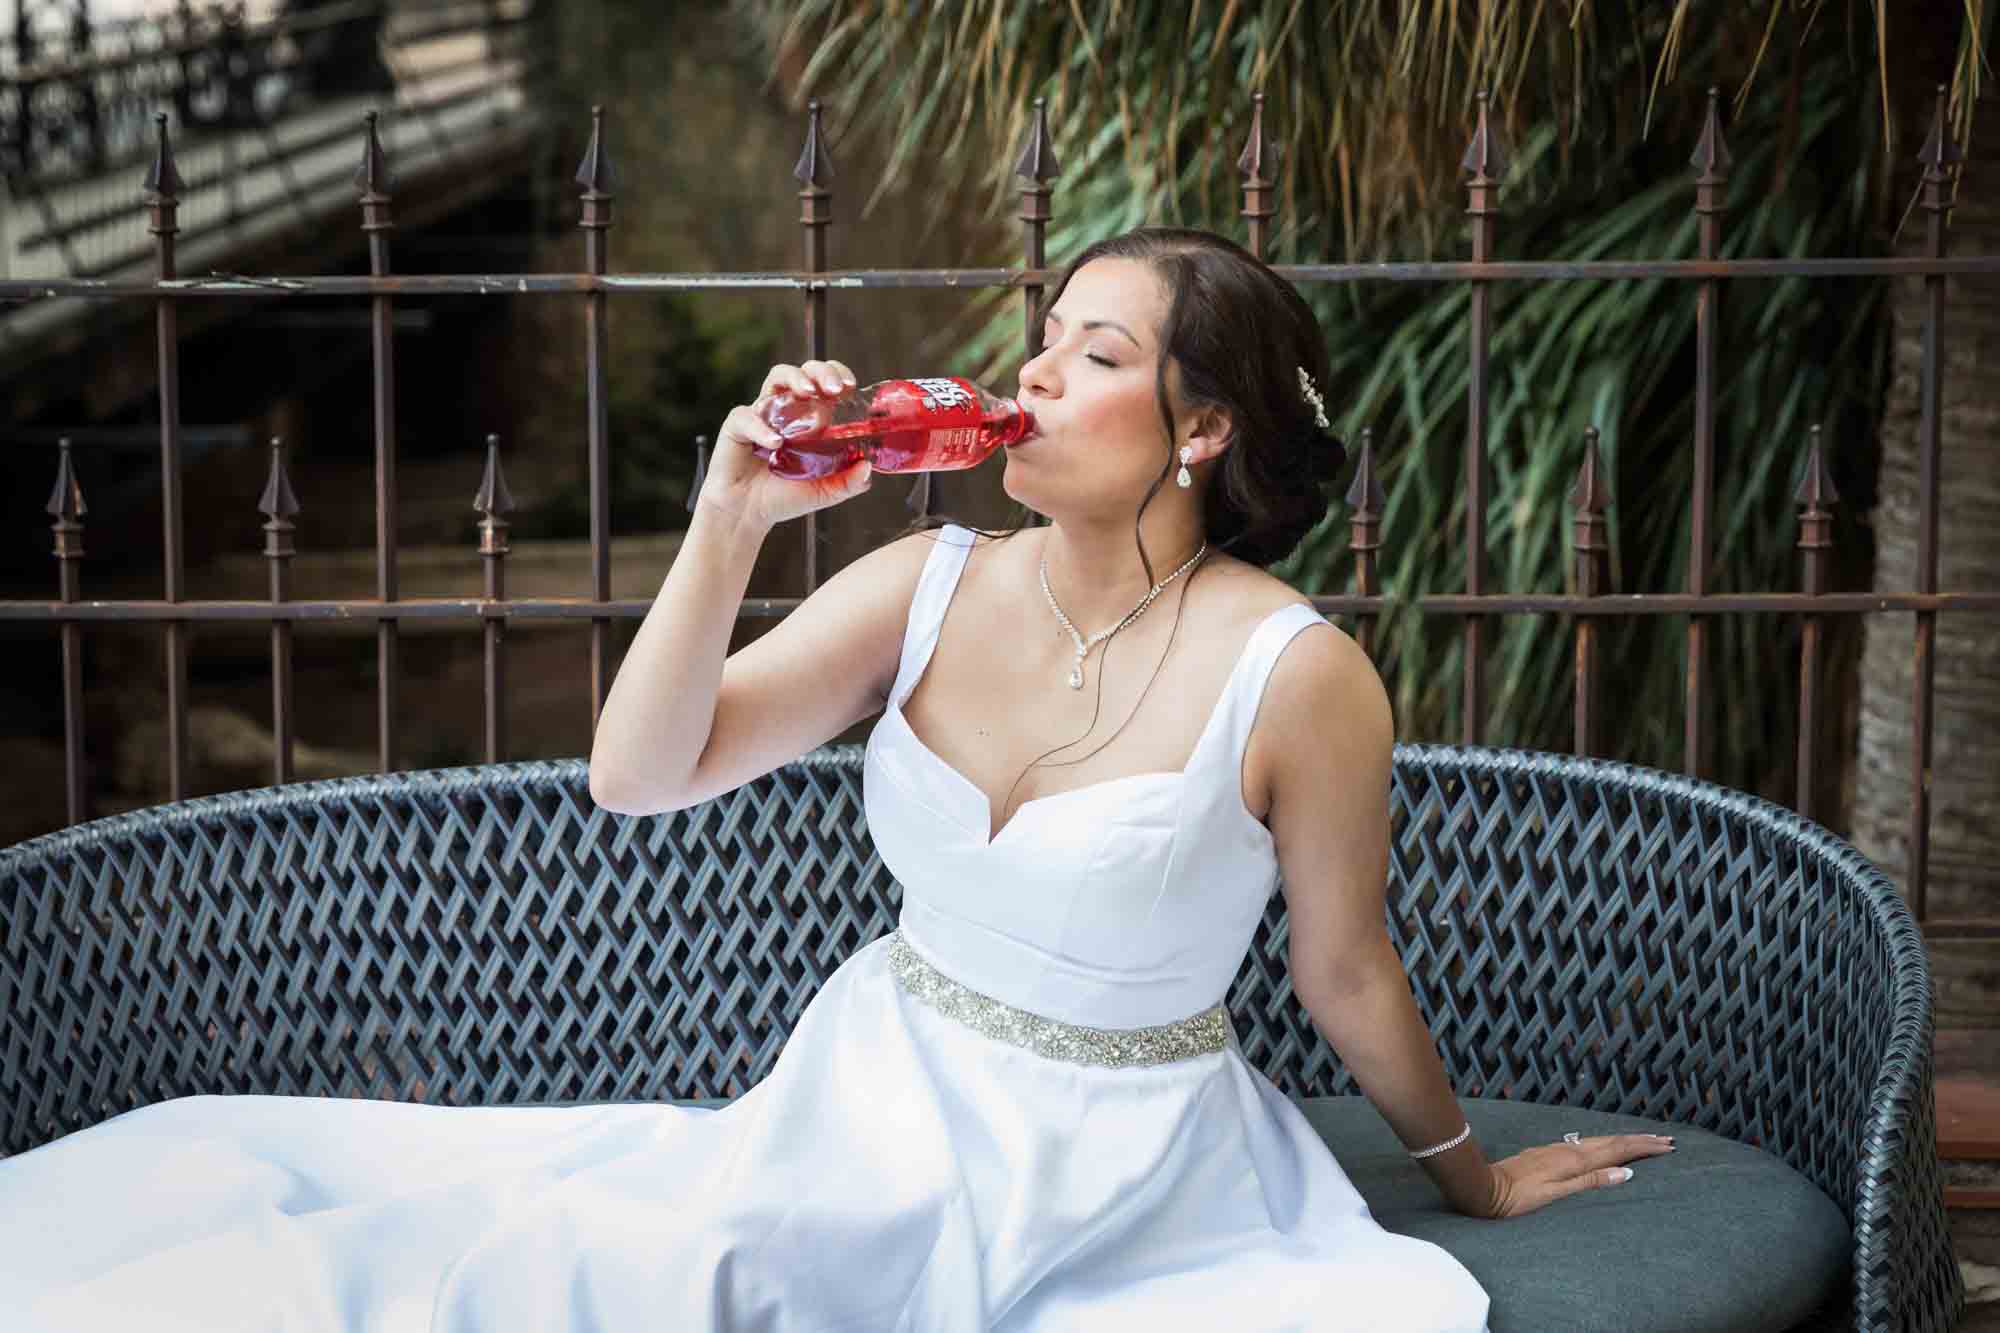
(906, 1166)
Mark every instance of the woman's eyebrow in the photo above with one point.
(1090, 324)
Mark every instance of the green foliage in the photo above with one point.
(679, 383)
(1372, 104)
(1619, 356)
(677, 362)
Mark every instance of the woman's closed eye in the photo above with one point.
(1048, 336)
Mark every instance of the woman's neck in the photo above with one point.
(1096, 575)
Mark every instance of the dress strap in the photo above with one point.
(1244, 694)
(935, 586)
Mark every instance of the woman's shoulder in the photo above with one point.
(1249, 594)
(952, 533)
(1314, 668)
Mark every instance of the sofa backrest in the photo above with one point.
(1574, 931)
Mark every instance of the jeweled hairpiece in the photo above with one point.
(1312, 396)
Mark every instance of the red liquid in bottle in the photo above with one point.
(916, 425)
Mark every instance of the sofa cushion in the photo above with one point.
(1715, 1236)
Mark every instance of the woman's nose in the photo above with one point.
(1036, 376)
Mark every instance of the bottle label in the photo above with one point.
(928, 423)
(947, 395)
(955, 442)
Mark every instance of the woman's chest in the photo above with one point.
(1010, 725)
(988, 701)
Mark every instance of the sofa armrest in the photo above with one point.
(1594, 934)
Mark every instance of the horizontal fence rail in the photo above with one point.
(233, 285)
(815, 280)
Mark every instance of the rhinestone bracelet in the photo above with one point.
(1463, 1135)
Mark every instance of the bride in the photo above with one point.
(1101, 745)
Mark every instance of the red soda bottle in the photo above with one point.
(920, 425)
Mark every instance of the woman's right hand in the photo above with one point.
(742, 485)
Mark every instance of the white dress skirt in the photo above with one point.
(1022, 1111)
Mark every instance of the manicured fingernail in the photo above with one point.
(1623, 1174)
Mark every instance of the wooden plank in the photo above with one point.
(1965, 972)
(1975, 1239)
(1968, 1093)
(1962, 928)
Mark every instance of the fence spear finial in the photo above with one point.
(1590, 495)
(278, 501)
(162, 181)
(1364, 495)
(1815, 489)
(596, 173)
(372, 176)
(66, 499)
(1939, 151)
(1711, 155)
(1485, 160)
(278, 504)
(1037, 162)
(493, 502)
(814, 163)
(1258, 166)
(493, 499)
(1251, 162)
(67, 509)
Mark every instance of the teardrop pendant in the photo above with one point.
(1182, 479)
(1076, 676)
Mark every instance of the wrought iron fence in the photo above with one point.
(815, 281)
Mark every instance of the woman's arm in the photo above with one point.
(681, 724)
(656, 717)
(1330, 740)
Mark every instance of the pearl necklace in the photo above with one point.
(1083, 647)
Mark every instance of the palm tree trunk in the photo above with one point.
(1961, 880)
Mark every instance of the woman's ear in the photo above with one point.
(1210, 431)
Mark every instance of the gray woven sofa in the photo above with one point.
(1597, 947)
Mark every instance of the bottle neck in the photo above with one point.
(1017, 421)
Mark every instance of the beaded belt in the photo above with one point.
(1117, 1048)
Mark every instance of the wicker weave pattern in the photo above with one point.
(1576, 932)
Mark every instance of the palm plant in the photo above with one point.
(1371, 104)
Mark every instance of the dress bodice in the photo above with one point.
(1122, 903)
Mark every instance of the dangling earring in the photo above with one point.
(1182, 478)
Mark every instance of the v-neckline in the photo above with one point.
(990, 835)
(994, 835)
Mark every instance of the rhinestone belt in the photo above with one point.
(1117, 1048)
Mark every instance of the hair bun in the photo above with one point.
(1326, 455)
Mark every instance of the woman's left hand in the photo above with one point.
(1537, 1176)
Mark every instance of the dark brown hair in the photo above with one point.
(1239, 334)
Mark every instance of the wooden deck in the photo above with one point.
(1968, 1121)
